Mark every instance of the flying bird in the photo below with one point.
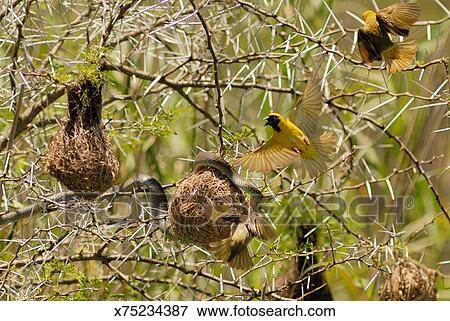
(374, 38)
(234, 249)
(290, 142)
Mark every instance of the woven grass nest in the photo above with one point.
(409, 281)
(80, 155)
(191, 208)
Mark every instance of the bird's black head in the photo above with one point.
(273, 120)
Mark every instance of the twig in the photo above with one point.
(105, 65)
(4, 12)
(216, 74)
(32, 111)
(405, 149)
(123, 8)
(18, 110)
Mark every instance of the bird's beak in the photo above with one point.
(267, 121)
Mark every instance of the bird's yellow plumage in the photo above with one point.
(374, 40)
(288, 135)
(290, 142)
(370, 22)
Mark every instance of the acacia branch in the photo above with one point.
(403, 147)
(105, 65)
(4, 12)
(32, 111)
(123, 8)
(216, 74)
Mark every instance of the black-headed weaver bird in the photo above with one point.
(374, 38)
(290, 142)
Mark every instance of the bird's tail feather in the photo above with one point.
(235, 254)
(400, 55)
(315, 158)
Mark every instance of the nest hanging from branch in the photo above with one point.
(409, 281)
(191, 210)
(80, 155)
(208, 209)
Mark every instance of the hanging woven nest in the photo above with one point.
(409, 281)
(191, 210)
(80, 155)
(208, 209)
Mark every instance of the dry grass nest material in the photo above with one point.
(80, 155)
(191, 208)
(409, 281)
(83, 161)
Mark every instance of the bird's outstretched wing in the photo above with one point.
(267, 157)
(261, 227)
(400, 55)
(315, 160)
(398, 18)
(306, 110)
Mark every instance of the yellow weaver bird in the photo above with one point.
(289, 142)
(374, 40)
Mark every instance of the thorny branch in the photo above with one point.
(216, 74)
(403, 147)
